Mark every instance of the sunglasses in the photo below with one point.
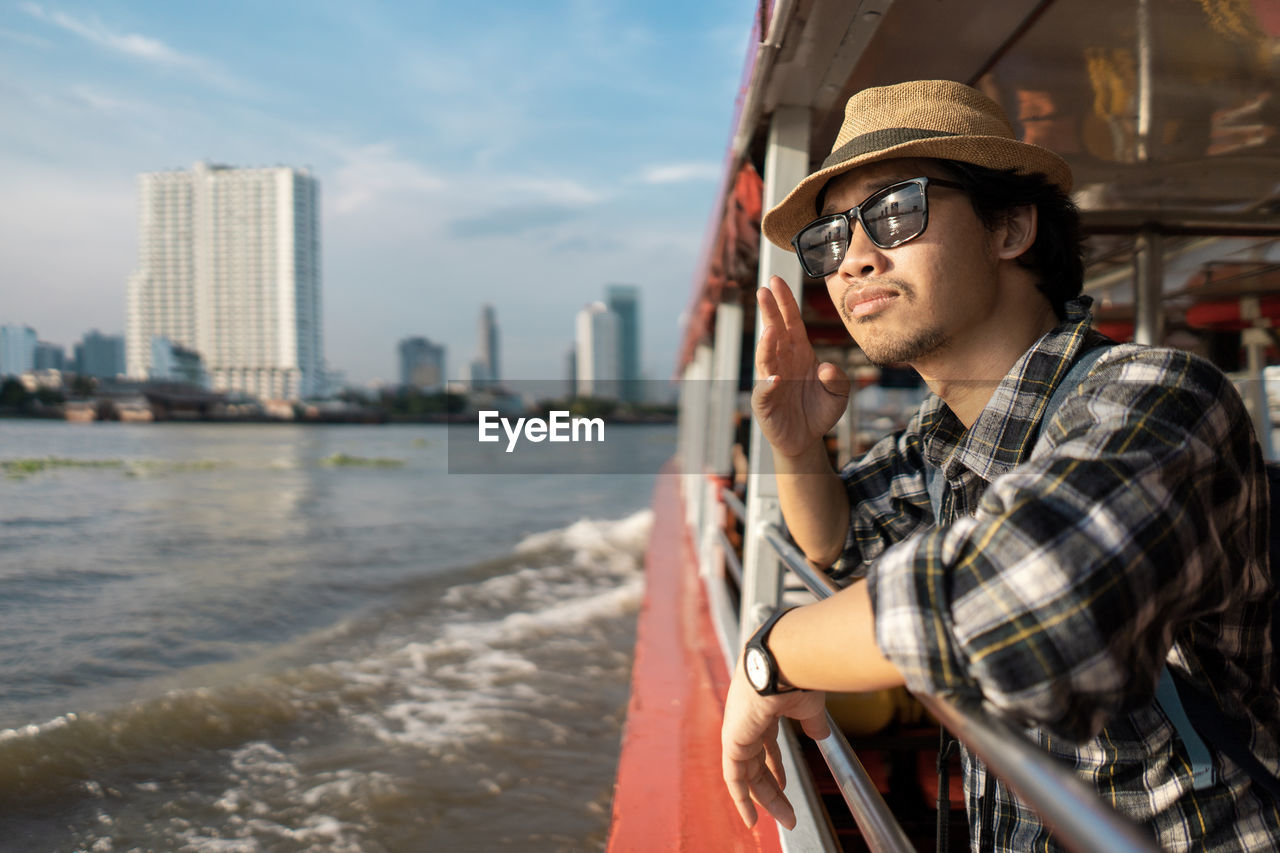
(890, 217)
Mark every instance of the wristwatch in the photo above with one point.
(757, 660)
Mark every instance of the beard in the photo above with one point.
(914, 348)
(882, 350)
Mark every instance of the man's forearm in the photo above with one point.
(814, 503)
(831, 645)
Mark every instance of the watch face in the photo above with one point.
(757, 669)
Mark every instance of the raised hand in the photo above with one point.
(798, 399)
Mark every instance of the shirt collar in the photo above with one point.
(1007, 427)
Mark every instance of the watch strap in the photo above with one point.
(760, 640)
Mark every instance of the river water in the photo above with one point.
(285, 638)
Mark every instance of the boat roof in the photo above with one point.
(1166, 110)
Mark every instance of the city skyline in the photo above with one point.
(598, 160)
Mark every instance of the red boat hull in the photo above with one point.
(669, 794)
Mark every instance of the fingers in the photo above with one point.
(767, 299)
(783, 347)
(767, 352)
(834, 379)
(786, 301)
(753, 780)
(816, 726)
(735, 779)
(773, 760)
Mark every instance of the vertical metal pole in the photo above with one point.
(724, 387)
(1256, 340)
(1146, 82)
(1148, 287)
(696, 470)
(847, 426)
(723, 392)
(786, 164)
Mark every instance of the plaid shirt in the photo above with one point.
(1077, 558)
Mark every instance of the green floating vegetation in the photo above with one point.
(345, 461)
(19, 468)
(146, 467)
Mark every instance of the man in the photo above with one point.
(1070, 558)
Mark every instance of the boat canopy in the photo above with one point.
(1166, 110)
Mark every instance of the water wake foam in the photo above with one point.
(488, 658)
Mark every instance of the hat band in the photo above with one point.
(878, 140)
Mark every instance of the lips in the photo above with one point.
(869, 300)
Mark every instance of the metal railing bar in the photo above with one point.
(818, 583)
(880, 829)
(734, 503)
(1080, 820)
(731, 561)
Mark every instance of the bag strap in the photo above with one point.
(1070, 382)
(1212, 720)
(1167, 697)
(1167, 692)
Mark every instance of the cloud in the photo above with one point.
(133, 45)
(680, 173)
(375, 171)
(104, 103)
(24, 38)
(564, 191)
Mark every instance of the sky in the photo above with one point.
(523, 154)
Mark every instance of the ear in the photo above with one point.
(1017, 233)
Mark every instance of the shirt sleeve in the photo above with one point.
(888, 499)
(1140, 511)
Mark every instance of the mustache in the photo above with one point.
(842, 304)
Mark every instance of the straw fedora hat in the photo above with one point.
(922, 118)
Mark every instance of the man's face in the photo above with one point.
(913, 301)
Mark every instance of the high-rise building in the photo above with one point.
(624, 300)
(488, 357)
(50, 356)
(597, 358)
(17, 349)
(100, 355)
(571, 369)
(229, 266)
(422, 364)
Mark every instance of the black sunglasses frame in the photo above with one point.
(855, 214)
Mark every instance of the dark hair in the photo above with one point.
(1057, 255)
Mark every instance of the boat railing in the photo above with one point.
(735, 504)
(738, 510)
(1078, 818)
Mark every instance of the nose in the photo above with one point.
(863, 259)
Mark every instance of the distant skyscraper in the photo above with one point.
(624, 300)
(100, 355)
(597, 358)
(229, 265)
(50, 356)
(422, 364)
(17, 350)
(571, 369)
(488, 347)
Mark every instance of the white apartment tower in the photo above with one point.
(229, 266)
(597, 359)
